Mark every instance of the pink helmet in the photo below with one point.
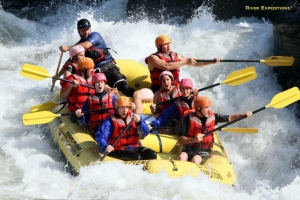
(166, 73)
(75, 50)
(99, 77)
(186, 82)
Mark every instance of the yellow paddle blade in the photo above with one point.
(43, 107)
(35, 72)
(279, 61)
(285, 98)
(42, 117)
(240, 76)
(240, 130)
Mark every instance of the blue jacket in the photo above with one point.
(86, 117)
(170, 112)
(106, 128)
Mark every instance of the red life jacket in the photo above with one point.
(183, 108)
(78, 95)
(154, 74)
(97, 104)
(164, 96)
(196, 126)
(100, 56)
(71, 63)
(129, 138)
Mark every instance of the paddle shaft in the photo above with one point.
(214, 85)
(228, 60)
(275, 61)
(158, 128)
(87, 111)
(238, 119)
(57, 69)
(72, 82)
(127, 127)
(235, 130)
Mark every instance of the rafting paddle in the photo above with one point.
(39, 73)
(240, 130)
(233, 130)
(127, 127)
(275, 61)
(44, 117)
(236, 78)
(57, 69)
(44, 107)
(280, 100)
(233, 79)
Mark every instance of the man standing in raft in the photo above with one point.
(97, 50)
(163, 59)
(128, 146)
(193, 127)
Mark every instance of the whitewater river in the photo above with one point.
(266, 164)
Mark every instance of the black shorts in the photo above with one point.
(138, 153)
(193, 150)
(154, 88)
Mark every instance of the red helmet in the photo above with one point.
(202, 102)
(161, 40)
(99, 77)
(75, 50)
(166, 73)
(186, 82)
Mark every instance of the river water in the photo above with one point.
(32, 167)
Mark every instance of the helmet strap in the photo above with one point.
(199, 109)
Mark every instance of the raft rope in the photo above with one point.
(159, 140)
(175, 168)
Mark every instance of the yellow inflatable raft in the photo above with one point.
(80, 149)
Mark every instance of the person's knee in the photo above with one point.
(183, 156)
(197, 159)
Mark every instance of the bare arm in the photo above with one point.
(200, 64)
(156, 97)
(194, 63)
(236, 116)
(85, 45)
(155, 61)
(153, 107)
